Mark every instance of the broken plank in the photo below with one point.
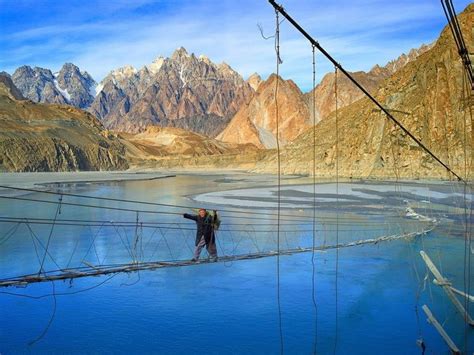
(432, 320)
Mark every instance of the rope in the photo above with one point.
(467, 221)
(97, 223)
(59, 294)
(278, 62)
(458, 39)
(45, 330)
(92, 245)
(153, 226)
(129, 267)
(233, 211)
(302, 218)
(9, 233)
(337, 214)
(58, 211)
(127, 247)
(35, 237)
(313, 268)
(421, 283)
(74, 252)
(32, 236)
(136, 241)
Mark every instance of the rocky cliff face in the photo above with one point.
(181, 91)
(38, 85)
(68, 86)
(255, 122)
(77, 86)
(428, 96)
(254, 81)
(42, 137)
(8, 88)
(347, 92)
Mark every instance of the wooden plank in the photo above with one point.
(131, 267)
(455, 290)
(90, 265)
(432, 320)
(444, 283)
(459, 292)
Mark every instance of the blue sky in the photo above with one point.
(102, 35)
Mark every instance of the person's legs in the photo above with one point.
(212, 250)
(197, 250)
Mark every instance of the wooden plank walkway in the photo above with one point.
(96, 270)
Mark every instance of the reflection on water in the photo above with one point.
(231, 307)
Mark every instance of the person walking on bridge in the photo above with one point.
(206, 224)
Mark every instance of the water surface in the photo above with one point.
(368, 298)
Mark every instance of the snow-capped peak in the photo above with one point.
(63, 92)
(180, 53)
(155, 66)
(124, 72)
(205, 59)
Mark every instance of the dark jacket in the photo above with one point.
(205, 227)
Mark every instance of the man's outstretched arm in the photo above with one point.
(190, 216)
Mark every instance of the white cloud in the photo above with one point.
(358, 34)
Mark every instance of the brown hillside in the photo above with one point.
(255, 122)
(41, 137)
(426, 96)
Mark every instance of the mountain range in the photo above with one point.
(234, 121)
(188, 92)
(181, 91)
(428, 96)
(52, 137)
(255, 122)
(68, 86)
(347, 92)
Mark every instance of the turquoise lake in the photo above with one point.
(368, 297)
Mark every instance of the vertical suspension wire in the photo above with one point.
(278, 62)
(421, 282)
(467, 215)
(313, 281)
(337, 212)
(135, 242)
(468, 189)
(58, 211)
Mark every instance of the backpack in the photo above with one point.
(217, 222)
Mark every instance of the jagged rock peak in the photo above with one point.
(181, 91)
(156, 65)
(68, 86)
(271, 81)
(347, 92)
(205, 59)
(75, 85)
(225, 68)
(26, 70)
(254, 81)
(38, 85)
(179, 53)
(396, 64)
(124, 72)
(72, 68)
